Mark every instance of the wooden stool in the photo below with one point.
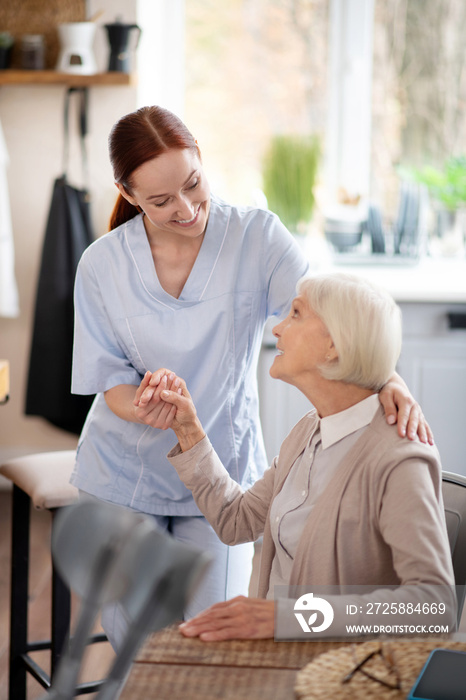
(43, 480)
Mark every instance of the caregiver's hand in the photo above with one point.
(142, 404)
(238, 618)
(400, 407)
(149, 407)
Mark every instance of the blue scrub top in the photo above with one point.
(126, 324)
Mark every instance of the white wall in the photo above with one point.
(31, 117)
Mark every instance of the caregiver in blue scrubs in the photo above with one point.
(186, 281)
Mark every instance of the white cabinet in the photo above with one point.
(433, 364)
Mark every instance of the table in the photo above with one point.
(170, 667)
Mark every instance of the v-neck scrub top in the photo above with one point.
(126, 323)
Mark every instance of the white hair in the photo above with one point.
(364, 323)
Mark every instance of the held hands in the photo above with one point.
(149, 407)
(163, 401)
(238, 618)
(400, 407)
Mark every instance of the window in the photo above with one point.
(382, 82)
(254, 68)
(419, 88)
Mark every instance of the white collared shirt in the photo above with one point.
(333, 437)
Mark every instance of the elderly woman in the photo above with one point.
(347, 502)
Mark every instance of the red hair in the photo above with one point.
(136, 138)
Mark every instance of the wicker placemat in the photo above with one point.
(169, 646)
(173, 682)
(399, 662)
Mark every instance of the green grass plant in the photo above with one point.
(289, 174)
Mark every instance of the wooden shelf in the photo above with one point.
(51, 77)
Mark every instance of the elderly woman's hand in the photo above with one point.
(400, 407)
(184, 422)
(238, 618)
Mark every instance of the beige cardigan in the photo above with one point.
(380, 520)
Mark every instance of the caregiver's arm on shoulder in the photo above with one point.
(400, 407)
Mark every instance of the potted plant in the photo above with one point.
(289, 174)
(447, 188)
(6, 43)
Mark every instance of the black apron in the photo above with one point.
(67, 235)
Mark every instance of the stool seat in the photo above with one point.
(45, 477)
(41, 480)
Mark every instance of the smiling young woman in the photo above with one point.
(173, 193)
(183, 280)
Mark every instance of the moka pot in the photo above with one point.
(118, 37)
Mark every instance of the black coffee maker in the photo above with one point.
(118, 38)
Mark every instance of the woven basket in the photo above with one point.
(39, 17)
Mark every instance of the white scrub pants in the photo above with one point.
(227, 576)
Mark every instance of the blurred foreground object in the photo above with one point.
(108, 553)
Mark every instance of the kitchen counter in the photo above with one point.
(430, 280)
